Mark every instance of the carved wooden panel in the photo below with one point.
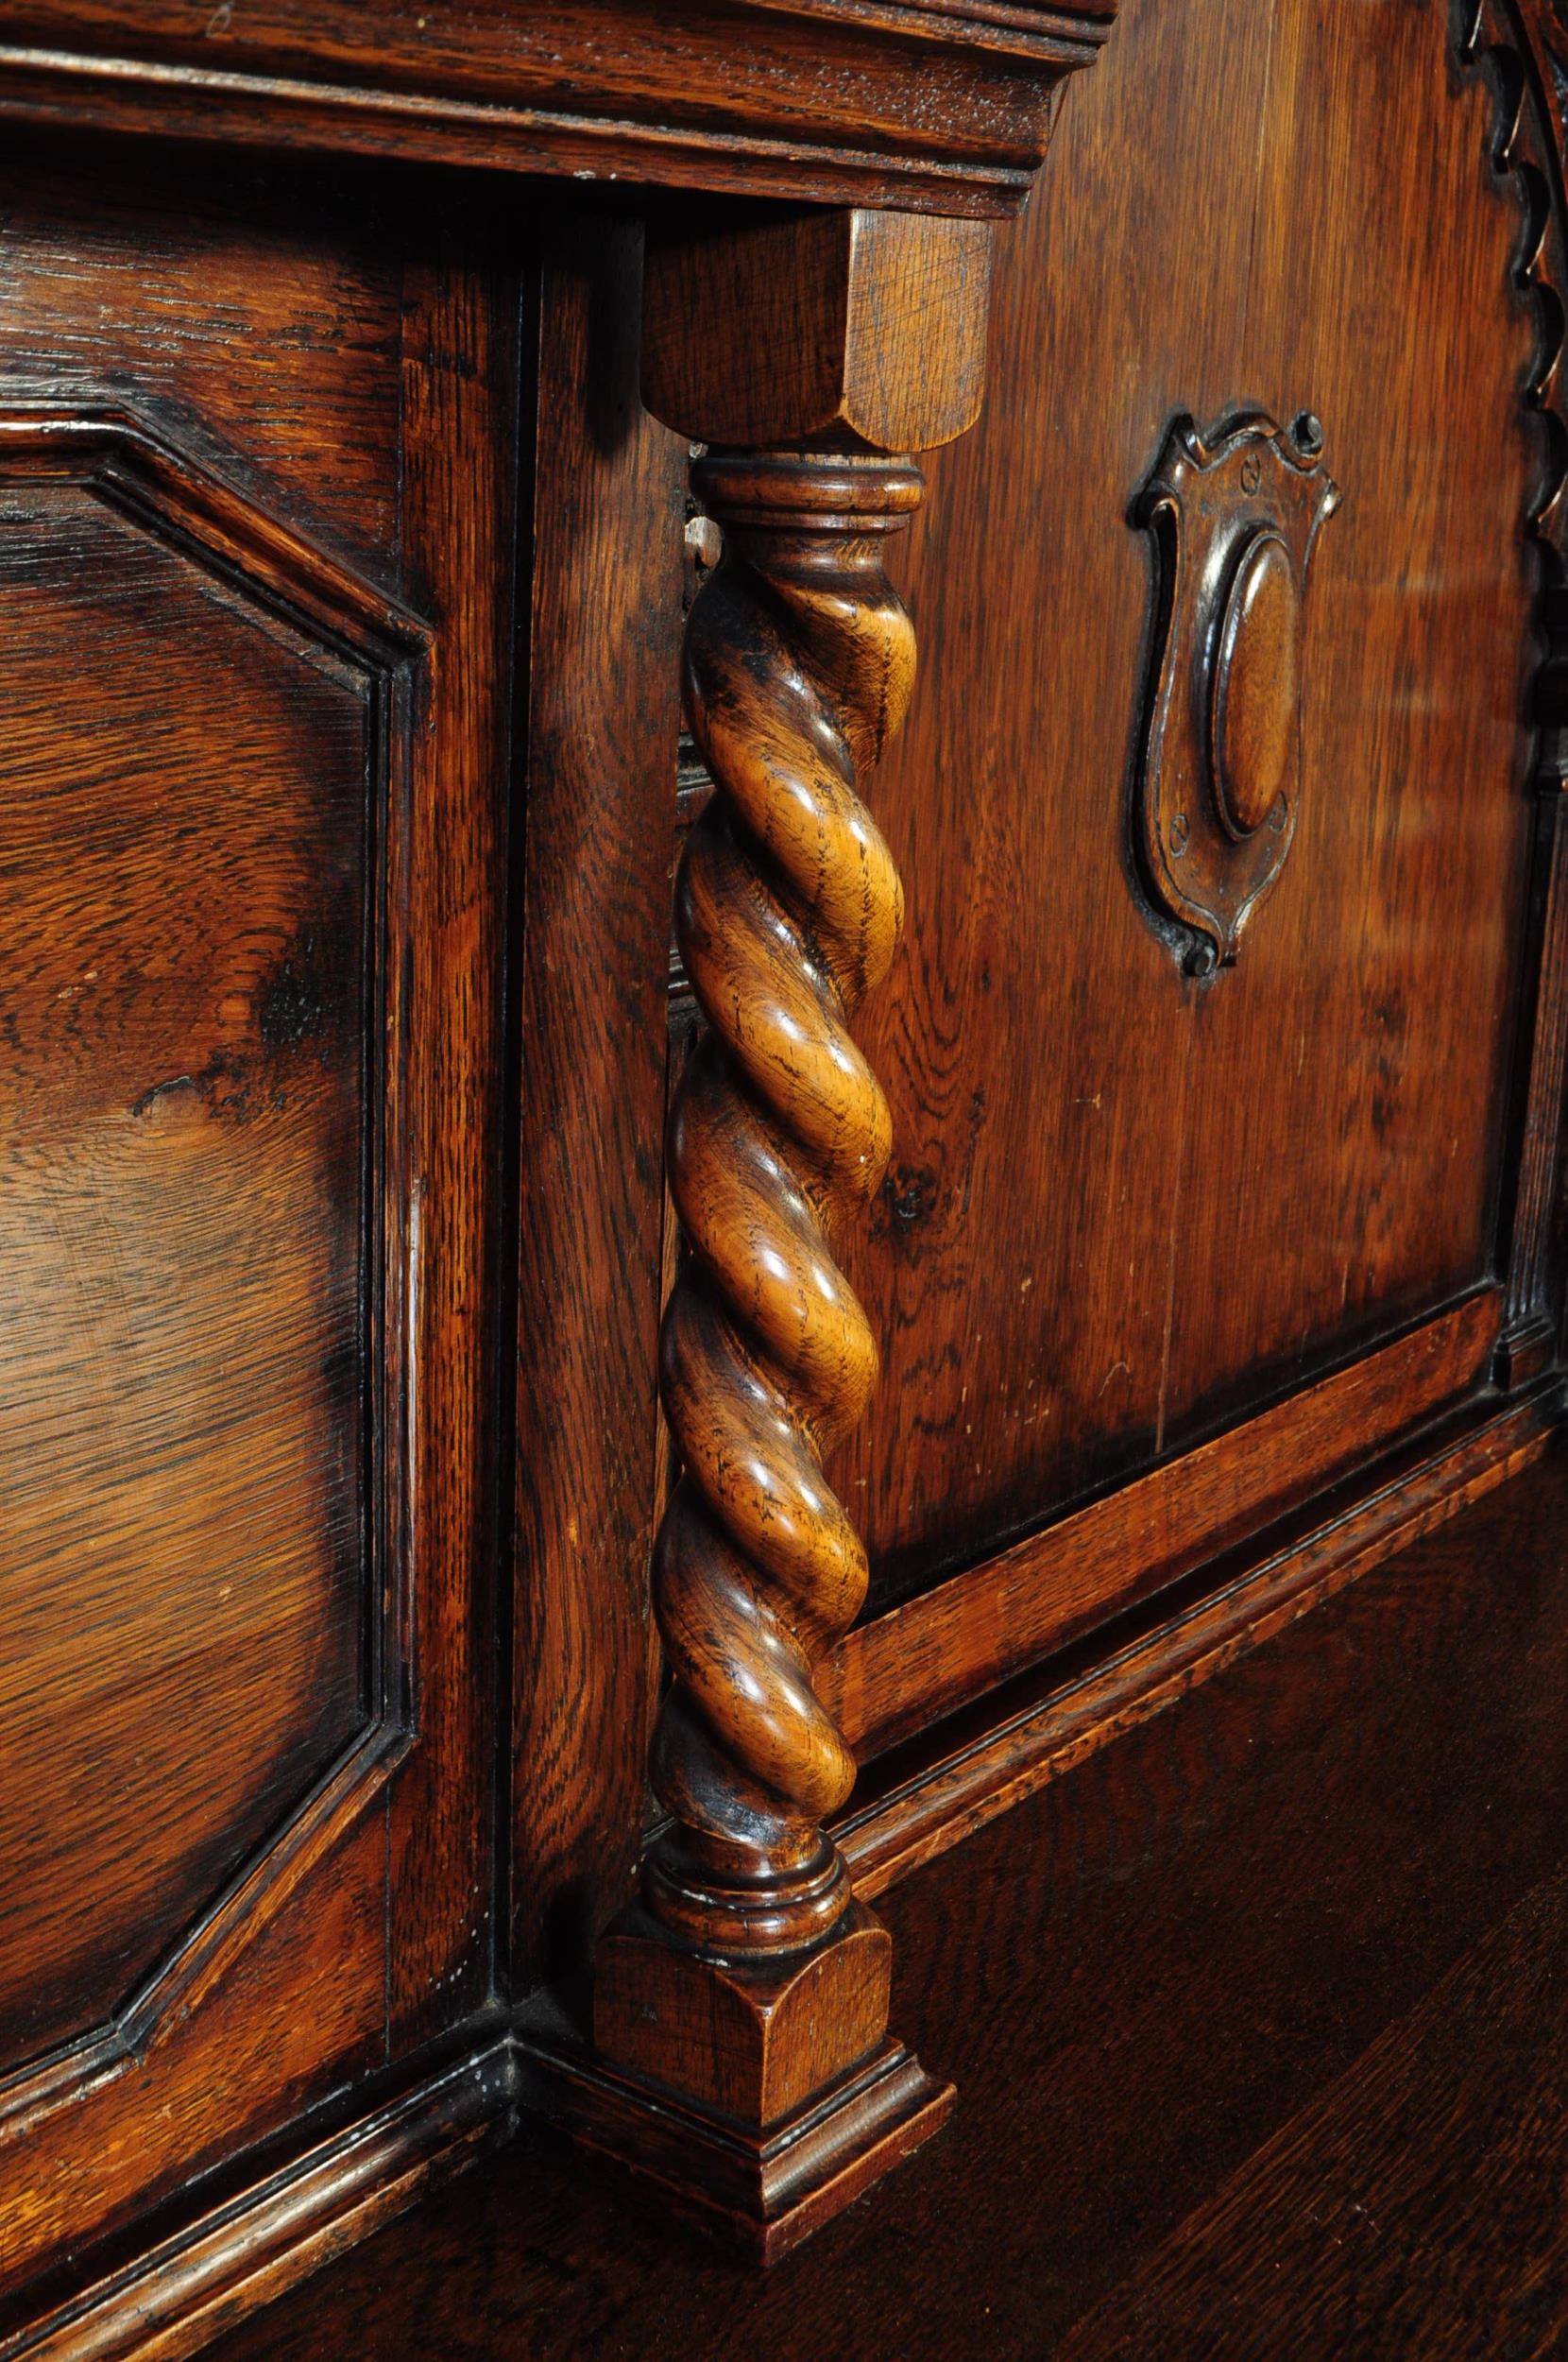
(1234, 515)
(1127, 1206)
(202, 778)
(256, 485)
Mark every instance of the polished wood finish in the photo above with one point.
(799, 663)
(1528, 146)
(596, 766)
(233, 1103)
(941, 108)
(1235, 514)
(257, 789)
(950, 1646)
(742, 2115)
(790, 327)
(347, 524)
(748, 1980)
(1471, 2071)
(1124, 1207)
(940, 1788)
(1291, 1945)
(234, 2254)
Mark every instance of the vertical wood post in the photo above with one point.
(740, 2011)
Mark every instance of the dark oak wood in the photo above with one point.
(941, 1787)
(1528, 147)
(941, 108)
(747, 1981)
(793, 326)
(597, 762)
(1235, 514)
(1241, 1926)
(947, 1647)
(1122, 1206)
(1302, 2233)
(349, 534)
(230, 1103)
(258, 790)
(243, 2248)
(1220, 756)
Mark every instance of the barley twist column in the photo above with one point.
(740, 2010)
(799, 663)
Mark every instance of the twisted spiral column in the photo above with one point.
(799, 663)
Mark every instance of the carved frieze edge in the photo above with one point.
(1528, 81)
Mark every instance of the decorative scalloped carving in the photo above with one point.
(1512, 40)
(1504, 37)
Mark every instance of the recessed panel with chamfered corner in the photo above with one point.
(190, 778)
(1155, 1167)
(255, 621)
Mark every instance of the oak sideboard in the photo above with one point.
(654, 1258)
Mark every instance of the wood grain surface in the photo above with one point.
(186, 1134)
(791, 324)
(340, 588)
(953, 1778)
(944, 110)
(1220, 1940)
(255, 523)
(798, 666)
(1122, 1205)
(1415, 2208)
(459, 373)
(601, 720)
(746, 1981)
(1528, 148)
(900, 1671)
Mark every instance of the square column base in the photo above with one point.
(761, 2194)
(758, 2099)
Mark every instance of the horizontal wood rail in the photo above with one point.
(905, 1670)
(930, 1796)
(945, 109)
